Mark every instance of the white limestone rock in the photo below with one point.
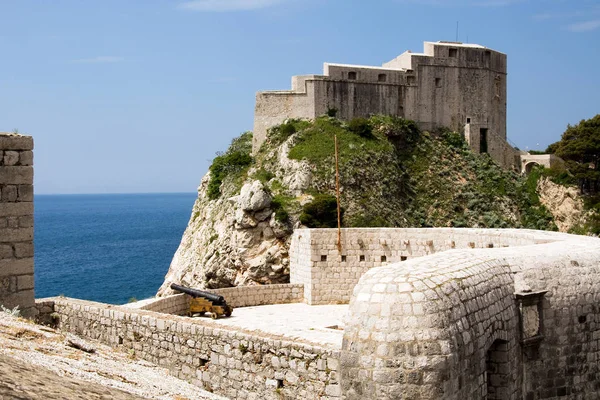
(253, 197)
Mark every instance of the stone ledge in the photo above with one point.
(11, 141)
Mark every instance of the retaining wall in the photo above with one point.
(16, 223)
(228, 362)
(239, 296)
(330, 275)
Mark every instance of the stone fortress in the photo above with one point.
(451, 84)
(436, 313)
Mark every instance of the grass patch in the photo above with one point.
(234, 163)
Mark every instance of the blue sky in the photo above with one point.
(138, 95)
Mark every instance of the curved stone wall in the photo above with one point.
(498, 323)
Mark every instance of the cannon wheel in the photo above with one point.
(214, 315)
(228, 312)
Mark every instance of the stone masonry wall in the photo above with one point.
(239, 296)
(451, 326)
(228, 362)
(329, 276)
(16, 223)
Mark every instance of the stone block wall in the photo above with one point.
(239, 296)
(454, 326)
(329, 276)
(228, 362)
(16, 223)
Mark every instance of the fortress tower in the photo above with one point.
(455, 85)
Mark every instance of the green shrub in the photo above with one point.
(278, 134)
(263, 175)
(321, 212)
(235, 161)
(454, 139)
(361, 127)
(279, 205)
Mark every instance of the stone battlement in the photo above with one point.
(16, 222)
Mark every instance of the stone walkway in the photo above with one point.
(297, 321)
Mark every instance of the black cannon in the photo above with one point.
(203, 301)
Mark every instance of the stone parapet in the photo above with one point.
(235, 364)
(16, 223)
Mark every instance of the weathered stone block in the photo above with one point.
(16, 209)
(16, 175)
(15, 142)
(11, 158)
(6, 251)
(25, 192)
(9, 193)
(24, 282)
(26, 158)
(23, 250)
(16, 235)
(9, 267)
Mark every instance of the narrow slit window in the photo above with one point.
(438, 82)
(352, 75)
(468, 120)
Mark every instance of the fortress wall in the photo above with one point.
(455, 326)
(228, 362)
(316, 262)
(16, 223)
(358, 99)
(272, 108)
(239, 296)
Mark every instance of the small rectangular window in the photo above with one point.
(323, 258)
(383, 258)
(438, 82)
(453, 53)
(382, 78)
(361, 258)
(483, 141)
(352, 76)
(343, 258)
(403, 258)
(468, 120)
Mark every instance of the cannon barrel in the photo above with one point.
(215, 298)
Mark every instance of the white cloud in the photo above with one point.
(226, 5)
(464, 3)
(99, 60)
(585, 26)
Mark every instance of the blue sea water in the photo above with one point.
(107, 248)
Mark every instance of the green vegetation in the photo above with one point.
(321, 212)
(580, 148)
(391, 175)
(234, 164)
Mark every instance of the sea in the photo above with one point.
(110, 248)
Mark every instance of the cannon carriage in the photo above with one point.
(205, 302)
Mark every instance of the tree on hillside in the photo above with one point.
(580, 148)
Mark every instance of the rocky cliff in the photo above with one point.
(563, 202)
(391, 174)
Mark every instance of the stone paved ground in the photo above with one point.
(297, 321)
(35, 363)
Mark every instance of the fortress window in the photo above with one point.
(352, 75)
(438, 82)
(323, 258)
(468, 120)
(361, 258)
(343, 258)
(383, 259)
(403, 258)
(483, 144)
(453, 53)
(382, 78)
